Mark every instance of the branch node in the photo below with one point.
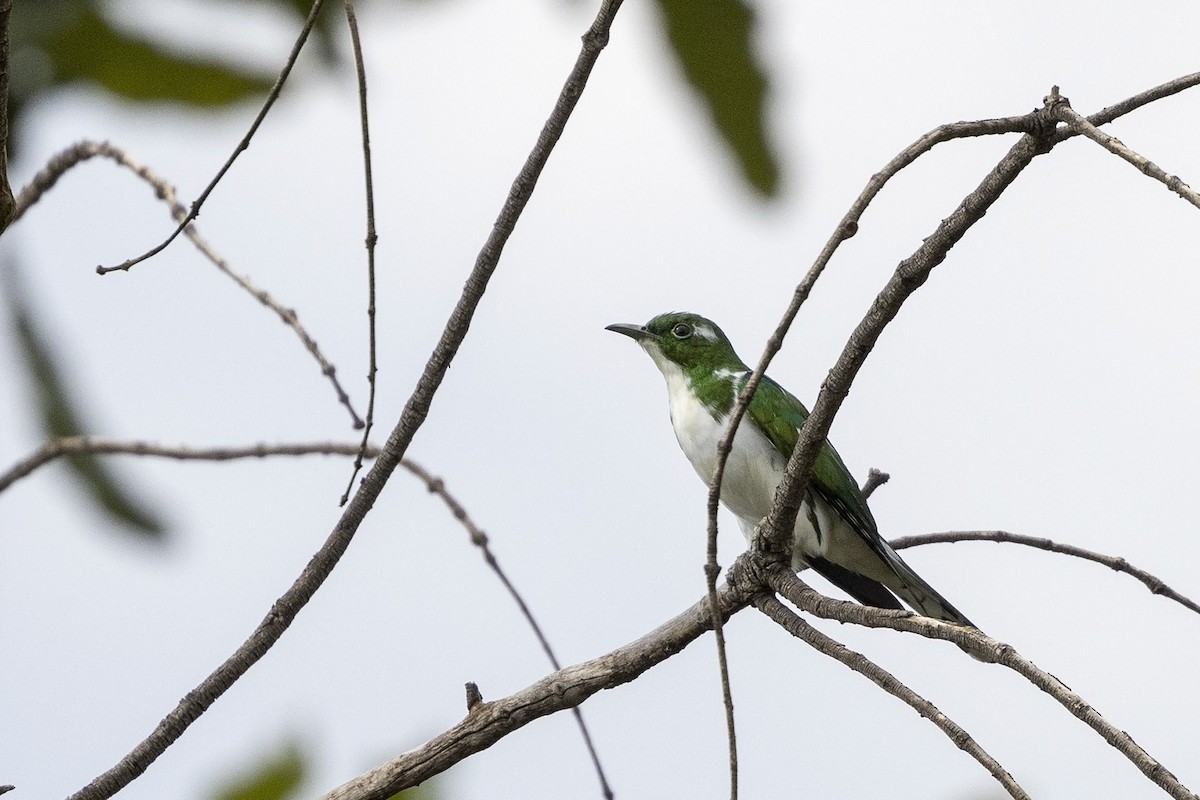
(474, 698)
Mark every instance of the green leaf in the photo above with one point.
(59, 418)
(275, 778)
(87, 48)
(713, 40)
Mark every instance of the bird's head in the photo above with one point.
(687, 340)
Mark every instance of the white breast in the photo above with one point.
(754, 467)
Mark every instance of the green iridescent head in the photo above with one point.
(683, 338)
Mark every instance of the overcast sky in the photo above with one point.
(1044, 382)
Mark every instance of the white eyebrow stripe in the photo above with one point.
(705, 332)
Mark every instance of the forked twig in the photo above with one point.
(489, 722)
(890, 684)
(1063, 111)
(780, 578)
(244, 144)
(289, 604)
(79, 152)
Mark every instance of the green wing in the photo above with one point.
(780, 415)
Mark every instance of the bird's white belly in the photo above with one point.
(752, 472)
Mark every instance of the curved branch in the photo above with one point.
(285, 609)
(81, 151)
(1155, 584)
(360, 71)
(885, 680)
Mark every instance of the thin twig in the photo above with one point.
(1152, 582)
(488, 722)
(81, 151)
(360, 71)
(1062, 111)
(781, 579)
(285, 609)
(1116, 110)
(63, 446)
(480, 539)
(885, 680)
(244, 144)
(96, 445)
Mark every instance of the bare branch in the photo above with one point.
(285, 609)
(79, 152)
(480, 539)
(1155, 584)
(794, 625)
(489, 722)
(369, 184)
(875, 479)
(56, 448)
(1110, 113)
(96, 445)
(780, 578)
(8, 205)
(1062, 110)
(244, 144)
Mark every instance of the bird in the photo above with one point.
(835, 532)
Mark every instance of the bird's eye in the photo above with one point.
(682, 330)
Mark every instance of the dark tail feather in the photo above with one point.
(861, 588)
(921, 596)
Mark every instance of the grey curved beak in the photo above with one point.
(635, 332)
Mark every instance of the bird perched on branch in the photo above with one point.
(835, 533)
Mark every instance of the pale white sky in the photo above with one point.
(1044, 381)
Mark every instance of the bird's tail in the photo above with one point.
(913, 590)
